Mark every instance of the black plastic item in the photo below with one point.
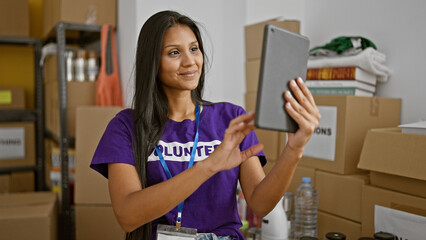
(308, 238)
(384, 236)
(335, 236)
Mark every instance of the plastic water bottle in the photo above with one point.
(306, 210)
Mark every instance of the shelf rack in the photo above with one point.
(35, 115)
(67, 33)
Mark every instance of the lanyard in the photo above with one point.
(191, 162)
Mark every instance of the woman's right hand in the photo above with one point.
(228, 155)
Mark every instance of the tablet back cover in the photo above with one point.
(284, 57)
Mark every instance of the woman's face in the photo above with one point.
(181, 60)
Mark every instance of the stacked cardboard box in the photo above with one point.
(94, 215)
(96, 12)
(12, 98)
(31, 215)
(333, 153)
(17, 146)
(397, 194)
(273, 140)
(14, 18)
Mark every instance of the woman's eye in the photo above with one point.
(194, 49)
(174, 52)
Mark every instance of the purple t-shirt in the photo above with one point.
(212, 207)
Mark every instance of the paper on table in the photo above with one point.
(402, 224)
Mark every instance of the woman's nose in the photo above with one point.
(188, 58)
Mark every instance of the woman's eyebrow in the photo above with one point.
(177, 45)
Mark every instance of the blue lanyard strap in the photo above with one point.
(191, 162)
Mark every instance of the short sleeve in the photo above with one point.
(115, 146)
(251, 140)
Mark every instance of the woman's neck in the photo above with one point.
(181, 107)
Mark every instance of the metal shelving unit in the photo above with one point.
(67, 33)
(35, 115)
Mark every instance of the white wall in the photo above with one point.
(223, 22)
(127, 34)
(258, 11)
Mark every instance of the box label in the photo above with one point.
(5, 97)
(402, 224)
(323, 142)
(12, 143)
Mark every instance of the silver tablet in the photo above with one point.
(284, 57)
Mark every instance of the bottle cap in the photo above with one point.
(81, 53)
(384, 236)
(92, 54)
(306, 180)
(245, 224)
(335, 236)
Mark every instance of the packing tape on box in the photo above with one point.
(374, 106)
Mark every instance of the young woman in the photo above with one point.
(147, 152)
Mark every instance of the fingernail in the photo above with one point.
(289, 94)
(289, 104)
(241, 124)
(299, 79)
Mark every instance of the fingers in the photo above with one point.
(241, 123)
(302, 94)
(301, 106)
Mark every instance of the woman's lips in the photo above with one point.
(188, 74)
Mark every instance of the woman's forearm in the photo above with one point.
(135, 208)
(271, 189)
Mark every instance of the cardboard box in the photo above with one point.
(97, 12)
(28, 216)
(12, 98)
(301, 172)
(250, 101)
(50, 69)
(97, 222)
(90, 186)
(78, 94)
(269, 139)
(397, 160)
(17, 182)
(331, 223)
(14, 18)
(373, 197)
(252, 75)
(340, 194)
(254, 35)
(337, 142)
(17, 144)
(397, 183)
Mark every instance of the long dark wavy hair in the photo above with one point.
(150, 106)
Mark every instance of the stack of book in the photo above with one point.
(350, 80)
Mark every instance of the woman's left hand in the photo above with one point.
(302, 108)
